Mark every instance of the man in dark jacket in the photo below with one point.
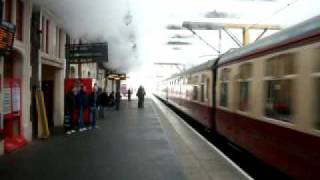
(70, 107)
(80, 104)
(103, 103)
(118, 99)
(93, 107)
(141, 93)
(129, 95)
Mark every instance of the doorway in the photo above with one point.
(47, 88)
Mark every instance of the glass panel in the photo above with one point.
(244, 96)
(289, 65)
(224, 94)
(208, 89)
(245, 71)
(225, 74)
(281, 65)
(278, 99)
(195, 93)
(316, 60)
(202, 92)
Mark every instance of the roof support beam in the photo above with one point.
(233, 37)
(212, 47)
(259, 37)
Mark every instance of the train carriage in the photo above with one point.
(263, 97)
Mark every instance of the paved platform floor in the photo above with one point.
(132, 143)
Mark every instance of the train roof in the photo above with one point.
(201, 67)
(305, 30)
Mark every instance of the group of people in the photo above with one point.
(82, 108)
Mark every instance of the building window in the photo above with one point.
(60, 45)
(245, 76)
(8, 10)
(19, 20)
(224, 78)
(57, 45)
(43, 28)
(47, 35)
(279, 87)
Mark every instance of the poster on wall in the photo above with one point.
(6, 101)
(16, 99)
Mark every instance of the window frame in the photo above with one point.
(224, 79)
(282, 77)
(20, 10)
(248, 80)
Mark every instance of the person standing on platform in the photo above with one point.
(111, 99)
(93, 107)
(118, 99)
(70, 103)
(129, 95)
(141, 93)
(103, 101)
(80, 103)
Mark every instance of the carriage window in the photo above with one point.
(278, 99)
(195, 93)
(244, 86)
(225, 73)
(316, 62)
(279, 87)
(244, 96)
(208, 88)
(224, 94)
(317, 104)
(281, 65)
(202, 88)
(202, 92)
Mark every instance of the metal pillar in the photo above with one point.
(79, 70)
(246, 36)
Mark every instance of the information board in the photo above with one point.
(6, 101)
(16, 99)
(7, 32)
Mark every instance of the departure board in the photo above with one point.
(7, 32)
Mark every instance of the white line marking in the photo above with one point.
(204, 139)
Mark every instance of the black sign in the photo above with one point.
(7, 32)
(86, 53)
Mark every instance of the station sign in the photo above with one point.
(117, 76)
(87, 53)
(7, 33)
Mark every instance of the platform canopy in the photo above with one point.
(216, 26)
(87, 53)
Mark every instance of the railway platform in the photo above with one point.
(145, 144)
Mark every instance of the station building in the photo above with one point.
(15, 73)
(37, 60)
(48, 63)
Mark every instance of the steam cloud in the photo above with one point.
(99, 21)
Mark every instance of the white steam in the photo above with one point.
(135, 29)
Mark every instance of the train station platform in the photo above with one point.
(138, 144)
